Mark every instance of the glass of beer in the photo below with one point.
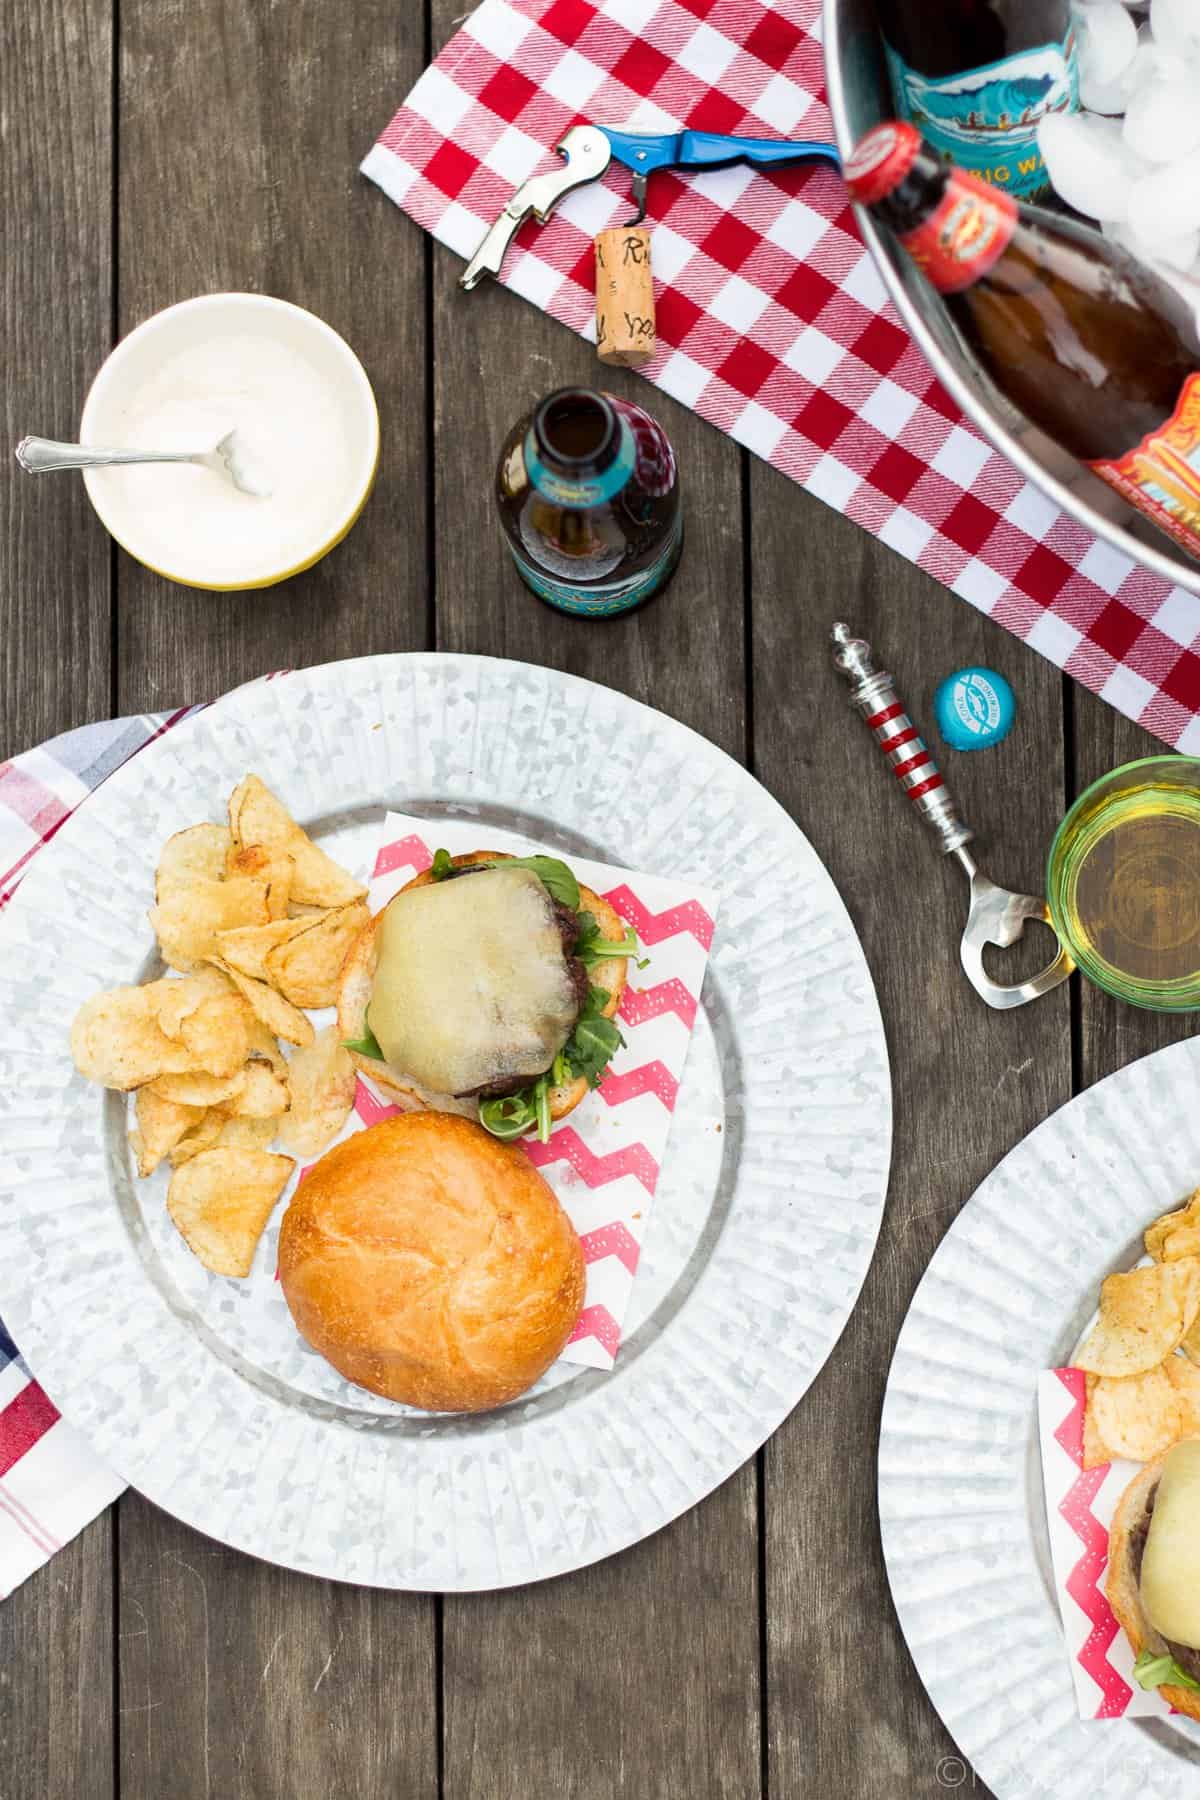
(1123, 883)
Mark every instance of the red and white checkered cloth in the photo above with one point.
(772, 321)
(51, 1485)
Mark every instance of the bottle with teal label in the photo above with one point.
(976, 77)
(589, 502)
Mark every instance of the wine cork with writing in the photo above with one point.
(624, 296)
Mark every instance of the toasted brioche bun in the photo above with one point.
(1122, 1587)
(358, 980)
(432, 1264)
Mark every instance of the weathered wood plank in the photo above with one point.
(240, 1681)
(968, 1083)
(637, 1677)
(56, 1721)
(241, 131)
(55, 330)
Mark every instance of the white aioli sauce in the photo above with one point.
(300, 438)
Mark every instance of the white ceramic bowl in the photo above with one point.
(167, 351)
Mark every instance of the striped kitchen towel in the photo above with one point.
(51, 1485)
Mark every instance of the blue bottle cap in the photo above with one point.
(974, 708)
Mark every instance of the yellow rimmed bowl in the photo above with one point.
(158, 362)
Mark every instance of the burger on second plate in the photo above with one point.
(1154, 1574)
(488, 987)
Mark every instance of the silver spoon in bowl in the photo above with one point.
(229, 459)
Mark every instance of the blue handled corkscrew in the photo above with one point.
(587, 151)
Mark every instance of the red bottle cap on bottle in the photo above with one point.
(881, 160)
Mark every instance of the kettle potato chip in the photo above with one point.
(201, 1048)
(246, 1134)
(195, 1088)
(204, 1134)
(306, 967)
(1183, 1218)
(276, 1013)
(1144, 1315)
(116, 1039)
(264, 1095)
(322, 1081)
(274, 868)
(1095, 1451)
(221, 1201)
(1138, 1416)
(160, 1126)
(246, 947)
(1185, 1379)
(217, 1033)
(197, 854)
(257, 817)
(179, 998)
(187, 919)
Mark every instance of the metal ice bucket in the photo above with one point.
(859, 98)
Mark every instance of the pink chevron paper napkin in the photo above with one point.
(604, 1161)
(1080, 1504)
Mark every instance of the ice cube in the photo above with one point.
(1153, 58)
(1162, 121)
(1177, 252)
(1107, 40)
(1175, 25)
(1088, 163)
(1165, 203)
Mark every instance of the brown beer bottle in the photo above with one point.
(1090, 344)
(976, 77)
(589, 502)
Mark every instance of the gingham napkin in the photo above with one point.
(51, 1485)
(772, 322)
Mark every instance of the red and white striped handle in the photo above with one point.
(873, 694)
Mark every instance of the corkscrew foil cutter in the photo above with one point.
(995, 916)
(587, 151)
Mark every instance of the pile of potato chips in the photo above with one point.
(1142, 1357)
(257, 921)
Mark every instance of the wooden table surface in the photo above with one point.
(155, 149)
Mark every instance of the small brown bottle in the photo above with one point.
(589, 502)
(1087, 342)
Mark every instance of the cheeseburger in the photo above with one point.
(488, 987)
(1154, 1574)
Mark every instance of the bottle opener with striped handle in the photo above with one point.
(995, 915)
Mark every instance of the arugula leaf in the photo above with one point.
(541, 1104)
(592, 947)
(366, 1045)
(594, 1041)
(554, 875)
(508, 1118)
(1152, 1671)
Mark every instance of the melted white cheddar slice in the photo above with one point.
(471, 984)
(1171, 1566)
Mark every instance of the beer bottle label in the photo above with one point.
(601, 599)
(1161, 475)
(986, 119)
(968, 230)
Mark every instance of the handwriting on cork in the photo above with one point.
(625, 328)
